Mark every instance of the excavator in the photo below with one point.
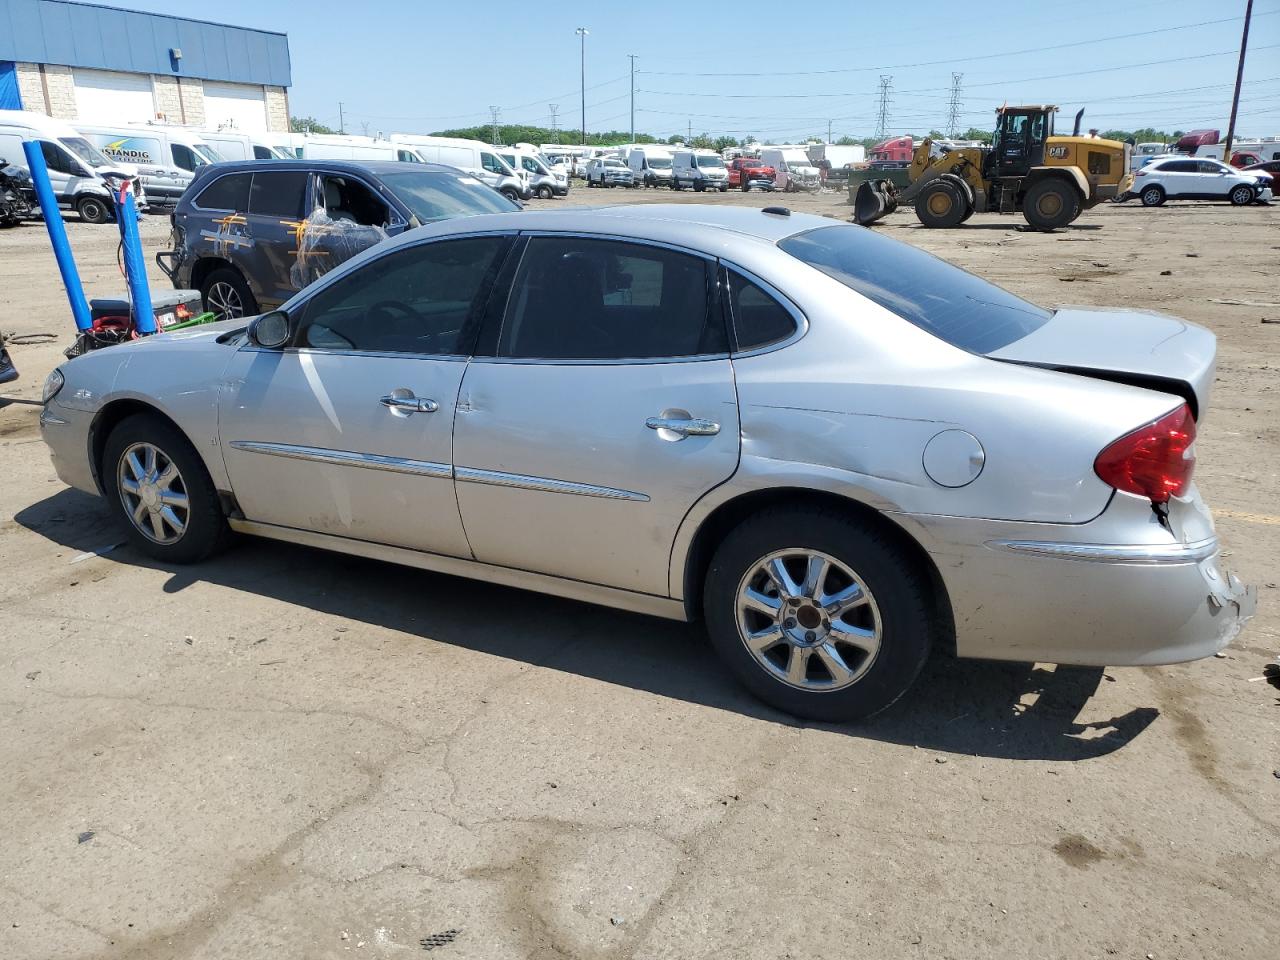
(1049, 179)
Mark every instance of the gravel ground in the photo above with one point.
(289, 754)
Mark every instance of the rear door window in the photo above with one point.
(280, 194)
(230, 192)
(952, 304)
(582, 299)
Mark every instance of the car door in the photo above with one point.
(1215, 179)
(603, 407)
(349, 430)
(276, 210)
(1181, 178)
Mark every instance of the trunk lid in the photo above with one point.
(1140, 348)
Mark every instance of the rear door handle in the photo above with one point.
(410, 404)
(684, 426)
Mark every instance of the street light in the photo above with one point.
(582, 33)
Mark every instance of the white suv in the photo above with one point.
(1197, 178)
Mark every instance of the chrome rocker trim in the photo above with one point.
(1113, 552)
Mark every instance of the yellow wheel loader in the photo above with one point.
(1049, 179)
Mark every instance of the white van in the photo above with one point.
(166, 155)
(700, 169)
(651, 165)
(233, 145)
(794, 170)
(470, 156)
(338, 146)
(82, 178)
(544, 182)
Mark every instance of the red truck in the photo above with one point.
(748, 172)
(897, 149)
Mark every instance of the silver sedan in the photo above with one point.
(839, 451)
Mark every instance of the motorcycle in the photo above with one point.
(17, 195)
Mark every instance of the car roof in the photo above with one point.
(689, 221)
(377, 167)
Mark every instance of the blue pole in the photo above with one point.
(135, 268)
(57, 234)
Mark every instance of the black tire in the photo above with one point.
(1152, 196)
(724, 187)
(545, 192)
(1241, 195)
(699, 186)
(94, 210)
(1050, 204)
(221, 290)
(511, 194)
(746, 186)
(902, 597)
(675, 184)
(940, 205)
(968, 212)
(206, 530)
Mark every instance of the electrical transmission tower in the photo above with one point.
(953, 108)
(555, 126)
(882, 120)
(495, 110)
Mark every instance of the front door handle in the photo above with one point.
(684, 426)
(410, 404)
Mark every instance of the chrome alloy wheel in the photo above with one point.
(153, 493)
(808, 619)
(225, 301)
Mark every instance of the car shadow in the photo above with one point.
(1013, 711)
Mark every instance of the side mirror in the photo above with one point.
(271, 331)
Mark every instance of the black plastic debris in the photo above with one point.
(85, 837)
(442, 939)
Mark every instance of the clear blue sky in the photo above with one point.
(422, 65)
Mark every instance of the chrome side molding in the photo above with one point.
(1114, 552)
(346, 458)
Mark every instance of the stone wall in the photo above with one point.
(179, 99)
(277, 110)
(30, 89)
(61, 88)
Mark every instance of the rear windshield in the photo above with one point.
(952, 304)
(435, 196)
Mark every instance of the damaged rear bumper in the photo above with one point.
(1054, 594)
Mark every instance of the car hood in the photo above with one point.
(1136, 347)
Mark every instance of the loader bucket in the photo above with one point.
(875, 200)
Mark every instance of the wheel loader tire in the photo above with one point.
(1050, 204)
(968, 212)
(940, 205)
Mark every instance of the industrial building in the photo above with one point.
(97, 64)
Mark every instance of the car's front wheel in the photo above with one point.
(155, 480)
(819, 614)
(1152, 196)
(1241, 196)
(94, 209)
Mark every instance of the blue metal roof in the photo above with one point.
(107, 38)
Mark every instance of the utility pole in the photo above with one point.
(341, 126)
(1235, 100)
(828, 131)
(494, 113)
(633, 96)
(953, 108)
(689, 139)
(583, 33)
(882, 123)
(555, 127)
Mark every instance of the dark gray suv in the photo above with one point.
(249, 234)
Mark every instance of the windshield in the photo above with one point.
(280, 154)
(712, 162)
(798, 157)
(436, 196)
(614, 163)
(952, 304)
(85, 151)
(207, 153)
(533, 165)
(659, 163)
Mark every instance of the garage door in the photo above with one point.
(238, 106)
(106, 97)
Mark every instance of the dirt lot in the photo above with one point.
(288, 754)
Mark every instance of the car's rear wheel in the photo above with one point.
(155, 480)
(818, 614)
(1241, 196)
(226, 293)
(1152, 196)
(544, 192)
(511, 195)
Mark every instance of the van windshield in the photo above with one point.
(437, 196)
(952, 304)
(659, 163)
(711, 162)
(85, 151)
(209, 154)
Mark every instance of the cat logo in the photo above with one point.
(1059, 152)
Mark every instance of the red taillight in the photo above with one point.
(1155, 461)
(1140, 172)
